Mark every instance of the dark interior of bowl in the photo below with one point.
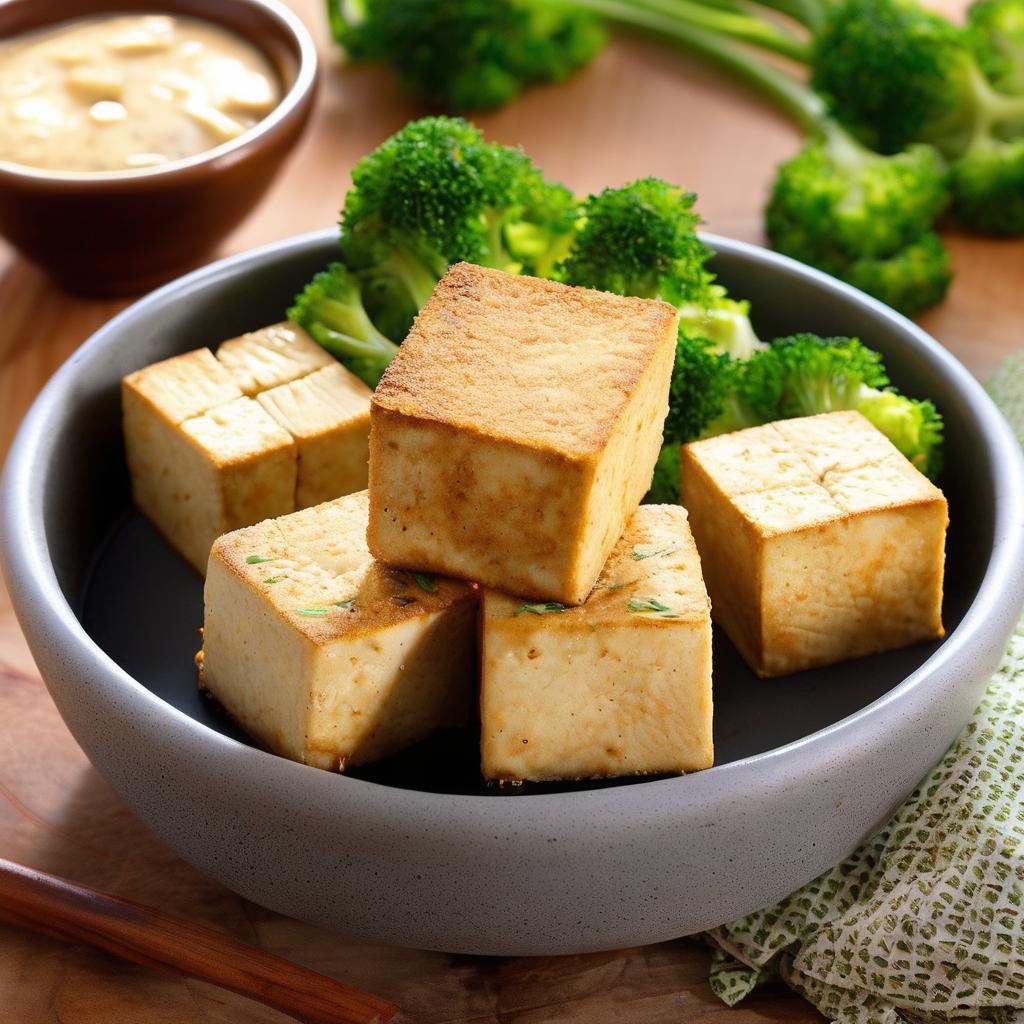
(144, 606)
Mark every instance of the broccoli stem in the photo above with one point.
(808, 13)
(353, 333)
(676, 18)
(419, 280)
(994, 112)
(792, 97)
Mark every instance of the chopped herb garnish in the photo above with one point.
(312, 612)
(273, 579)
(652, 605)
(667, 549)
(619, 586)
(541, 609)
(425, 582)
(256, 559)
(402, 601)
(345, 604)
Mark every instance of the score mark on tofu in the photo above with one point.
(492, 457)
(618, 686)
(819, 540)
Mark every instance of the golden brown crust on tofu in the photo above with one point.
(181, 387)
(501, 355)
(327, 594)
(492, 458)
(820, 541)
(655, 559)
(619, 686)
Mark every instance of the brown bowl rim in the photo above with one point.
(290, 106)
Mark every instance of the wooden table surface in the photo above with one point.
(640, 109)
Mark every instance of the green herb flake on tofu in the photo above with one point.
(425, 582)
(311, 612)
(652, 606)
(546, 608)
(256, 560)
(639, 555)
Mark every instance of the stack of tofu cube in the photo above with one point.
(268, 424)
(501, 555)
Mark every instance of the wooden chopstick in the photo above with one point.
(61, 909)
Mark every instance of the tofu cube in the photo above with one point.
(328, 414)
(324, 655)
(819, 541)
(212, 473)
(618, 686)
(271, 356)
(516, 431)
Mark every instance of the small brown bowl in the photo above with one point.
(123, 232)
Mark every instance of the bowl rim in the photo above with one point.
(289, 105)
(34, 587)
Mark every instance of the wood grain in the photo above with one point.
(639, 109)
(60, 909)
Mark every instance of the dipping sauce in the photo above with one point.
(128, 91)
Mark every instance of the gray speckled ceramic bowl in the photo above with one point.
(808, 766)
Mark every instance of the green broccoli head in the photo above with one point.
(804, 375)
(700, 381)
(914, 427)
(815, 375)
(723, 322)
(910, 280)
(895, 73)
(995, 30)
(813, 216)
(890, 70)
(640, 239)
(855, 201)
(468, 54)
(436, 193)
(988, 187)
(330, 310)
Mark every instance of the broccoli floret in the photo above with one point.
(723, 322)
(864, 217)
(813, 375)
(910, 280)
(890, 70)
(641, 239)
(436, 193)
(700, 380)
(468, 54)
(914, 427)
(897, 73)
(823, 374)
(857, 201)
(461, 55)
(995, 30)
(330, 310)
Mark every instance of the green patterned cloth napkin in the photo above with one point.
(925, 922)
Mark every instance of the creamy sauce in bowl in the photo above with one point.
(128, 92)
